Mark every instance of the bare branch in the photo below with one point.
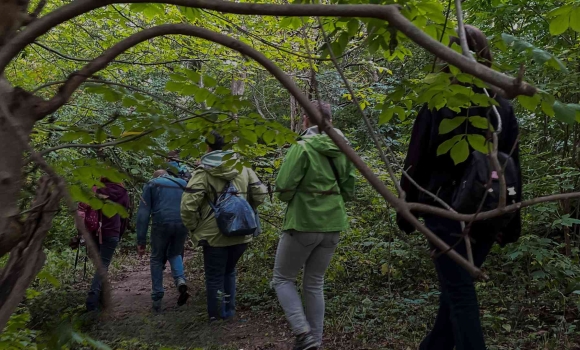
(389, 13)
(428, 209)
(368, 123)
(134, 63)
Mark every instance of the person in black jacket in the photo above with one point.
(457, 324)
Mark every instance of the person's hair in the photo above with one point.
(159, 173)
(218, 141)
(323, 108)
(478, 43)
(173, 154)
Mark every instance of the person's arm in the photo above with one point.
(416, 162)
(192, 200)
(291, 173)
(144, 215)
(347, 182)
(257, 189)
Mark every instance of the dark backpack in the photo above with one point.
(474, 184)
(234, 215)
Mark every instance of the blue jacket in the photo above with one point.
(162, 201)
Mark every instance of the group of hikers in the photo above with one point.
(216, 207)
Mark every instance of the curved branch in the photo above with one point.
(388, 13)
(183, 29)
(76, 59)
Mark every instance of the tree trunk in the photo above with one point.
(20, 104)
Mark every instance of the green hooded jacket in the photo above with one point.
(196, 213)
(307, 182)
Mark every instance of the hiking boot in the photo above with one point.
(305, 341)
(157, 305)
(183, 294)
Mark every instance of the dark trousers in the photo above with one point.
(167, 241)
(106, 251)
(457, 324)
(220, 279)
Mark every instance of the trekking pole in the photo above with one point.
(76, 263)
(85, 268)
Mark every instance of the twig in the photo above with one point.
(76, 59)
(368, 123)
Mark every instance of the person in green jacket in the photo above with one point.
(315, 179)
(220, 253)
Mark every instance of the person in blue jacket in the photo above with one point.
(161, 201)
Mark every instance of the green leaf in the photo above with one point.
(209, 81)
(548, 108)
(575, 19)
(49, 278)
(173, 86)
(386, 116)
(564, 113)
(100, 135)
(529, 103)
(448, 125)
(480, 122)
(249, 135)
(269, 136)
(560, 24)
(478, 143)
(109, 210)
(444, 147)
(460, 152)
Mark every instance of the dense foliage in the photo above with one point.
(171, 91)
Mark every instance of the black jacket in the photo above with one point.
(438, 174)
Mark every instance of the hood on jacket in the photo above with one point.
(175, 168)
(321, 142)
(114, 192)
(215, 165)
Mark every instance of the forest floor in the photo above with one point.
(131, 324)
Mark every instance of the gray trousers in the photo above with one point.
(314, 251)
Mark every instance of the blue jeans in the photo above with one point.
(457, 324)
(220, 279)
(106, 250)
(167, 242)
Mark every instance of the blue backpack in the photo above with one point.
(234, 215)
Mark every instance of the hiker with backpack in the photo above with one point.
(176, 168)
(107, 235)
(463, 187)
(218, 208)
(315, 179)
(161, 203)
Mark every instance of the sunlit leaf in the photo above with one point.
(448, 125)
(444, 147)
(478, 143)
(460, 152)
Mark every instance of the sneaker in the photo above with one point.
(305, 341)
(157, 305)
(183, 294)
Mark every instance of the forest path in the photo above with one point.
(132, 325)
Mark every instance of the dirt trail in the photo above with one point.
(132, 325)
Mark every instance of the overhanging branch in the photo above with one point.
(182, 29)
(388, 13)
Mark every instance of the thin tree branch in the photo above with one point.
(368, 123)
(389, 13)
(76, 59)
(428, 209)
